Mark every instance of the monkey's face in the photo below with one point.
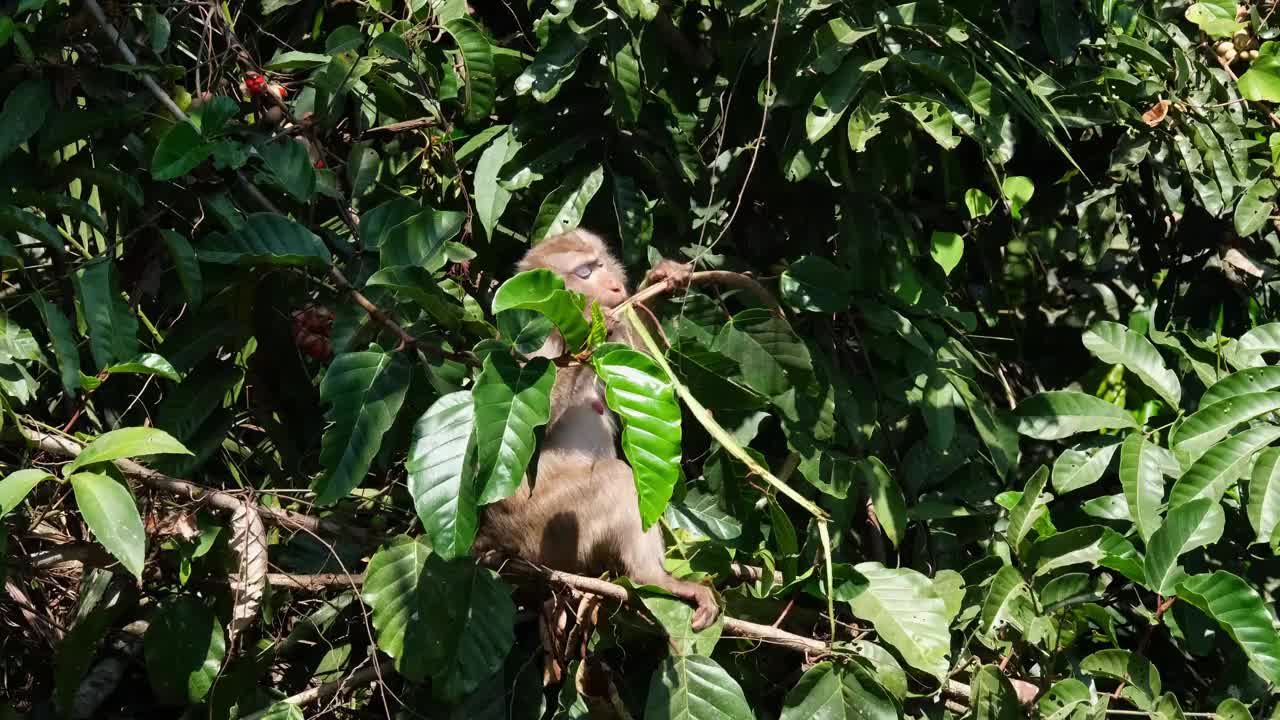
(590, 275)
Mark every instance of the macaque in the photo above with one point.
(580, 513)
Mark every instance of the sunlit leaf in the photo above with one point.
(440, 481)
(511, 402)
(1062, 413)
(1191, 525)
(1117, 344)
(109, 511)
(1242, 613)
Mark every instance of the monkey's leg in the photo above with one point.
(644, 565)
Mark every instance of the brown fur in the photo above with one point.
(581, 513)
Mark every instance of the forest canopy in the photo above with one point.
(971, 410)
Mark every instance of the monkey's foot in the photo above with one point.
(707, 610)
(677, 275)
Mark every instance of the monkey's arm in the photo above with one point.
(676, 275)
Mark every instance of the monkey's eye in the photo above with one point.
(584, 270)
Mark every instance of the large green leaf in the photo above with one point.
(701, 514)
(1262, 81)
(1255, 206)
(1243, 613)
(477, 64)
(1249, 349)
(1212, 472)
(886, 497)
(290, 167)
(555, 63)
(838, 93)
(471, 626)
(1210, 424)
(364, 391)
(1143, 482)
(1194, 524)
(377, 222)
(179, 152)
(645, 399)
(16, 485)
(128, 442)
(844, 691)
(186, 265)
(266, 239)
(184, 648)
(693, 687)
(1062, 413)
(543, 291)
(1088, 545)
(1116, 344)
(1082, 465)
(109, 511)
(1251, 380)
(814, 283)
(564, 207)
(676, 618)
(1031, 506)
(992, 696)
(511, 402)
(1008, 602)
(395, 591)
(64, 345)
(113, 327)
(772, 358)
(24, 113)
(14, 219)
(1264, 494)
(490, 197)
(441, 482)
(1141, 677)
(420, 239)
(907, 613)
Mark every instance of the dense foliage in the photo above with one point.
(1011, 443)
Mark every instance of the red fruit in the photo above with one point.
(254, 83)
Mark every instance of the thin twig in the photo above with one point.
(321, 692)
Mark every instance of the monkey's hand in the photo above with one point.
(677, 275)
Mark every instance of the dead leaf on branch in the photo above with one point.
(1157, 113)
(249, 541)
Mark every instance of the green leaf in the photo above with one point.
(363, 164)
(113, 327)
(692, 687)
(441, 483)
(701, 514)
(555, 63)
(845, 691)
(946, 249)
(13, 219)
(645, 399)
(543, 291)
(1061, 27)
(179, 152)
(1191, 525)
(1242, 612)
(1116, 344)
(1212, 472)
(1083, 465)
(838, 92)
(1017, 191)
(64, 345)
(293, 61)
(1251, 380)
(1143, 482)
(1262, 81)
(1264, 494)
(1215, 19)
(16, 485)
(1255, 206)
(1061, 413)
(626, 86)
(266, 239)
(130, 442)
(186, 265)
(478, 68)
(1091, 544)
(886, 497)
(109, 511)
(1031, 506)
(772, 358)
(24, 113)
(145, 364)
(992, 697)
(490, 197)
(563, 208)
(290, 166)
(815, 284)
(364, 391)
(1232, 709)
(907, 614)
(376, 224)
(676, 618)
(395, 591)
(1248, 350)
(978, 203)
(1210, 424)
(511, 402)
(1008, 602)
(471, 627)
(420, 239)
(184, 648)
(1141, 677)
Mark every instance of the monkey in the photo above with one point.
(580, 513)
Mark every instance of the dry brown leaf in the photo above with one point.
(249, 542)
(1157, 113)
